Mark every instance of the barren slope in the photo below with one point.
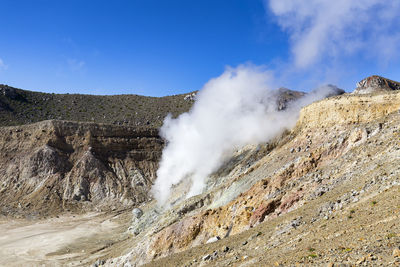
(326, 192)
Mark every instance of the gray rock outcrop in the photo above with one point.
(374, 84)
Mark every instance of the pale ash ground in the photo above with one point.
(73, 239)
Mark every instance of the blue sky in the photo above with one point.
(154, 47)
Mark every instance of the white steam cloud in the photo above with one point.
(233, 110)
(239, 107)
(326, 29)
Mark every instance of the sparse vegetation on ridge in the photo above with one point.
(23, 107)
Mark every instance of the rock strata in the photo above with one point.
(53, 166)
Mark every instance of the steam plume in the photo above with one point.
(320, 30)
(233, 110)
(239, 107)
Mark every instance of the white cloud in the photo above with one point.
(3, 66)
(233, 110)
(325, 29)
(75, 64)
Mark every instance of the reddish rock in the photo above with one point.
(376, 83)
(262, 211)
(289, 201)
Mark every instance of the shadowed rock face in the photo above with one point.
(52, 166)
(374, 84)
(285, 96)
(8, 91)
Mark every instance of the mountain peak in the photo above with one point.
(375, 83)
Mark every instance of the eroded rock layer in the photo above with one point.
(51, 166)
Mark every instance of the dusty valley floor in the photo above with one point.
(73, 240)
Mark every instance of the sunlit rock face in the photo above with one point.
(53, 166)
(374, 84)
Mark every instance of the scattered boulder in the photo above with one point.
(190, 97)
(213, 239)
(285, 228)
(210, 256)
(137, 213)
(207, 257)
(98, 263)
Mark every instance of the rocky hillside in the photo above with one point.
(19, 106)
(324, 193)
(54, 166)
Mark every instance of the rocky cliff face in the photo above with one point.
(349, 109)
(51, 166)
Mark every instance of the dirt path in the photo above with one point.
(76, 239)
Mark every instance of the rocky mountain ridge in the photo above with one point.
(19, 107)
